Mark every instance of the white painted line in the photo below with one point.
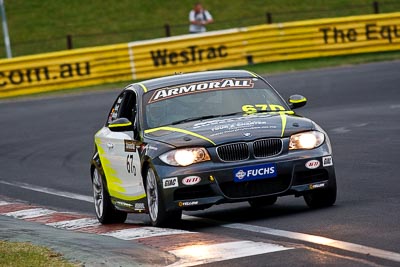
(340, 130)
(395, 106)
(3, 203)
(362, 124)
(49, 191)
(144, 232)
(75, 224)
(29, 213)
(365, 250)
(202, 254)
(319, 240)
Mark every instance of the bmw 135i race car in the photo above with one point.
(189, 141)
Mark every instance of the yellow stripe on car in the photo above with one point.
(144, 87)
(283, 119)
(298, 101)
(126, 197)
(114, 184)
(173, 129)
(252, 74)
(120, 125)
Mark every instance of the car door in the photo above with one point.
(118, 151)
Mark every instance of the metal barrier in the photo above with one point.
(196, 52)
(267, 43)
(66, 69)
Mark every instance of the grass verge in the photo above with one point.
(25, 254)
(39, 26)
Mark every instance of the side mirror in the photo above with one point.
(121, 125)
(297, 101)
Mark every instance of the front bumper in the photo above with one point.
(217, 183)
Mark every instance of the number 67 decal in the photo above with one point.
(130, 167)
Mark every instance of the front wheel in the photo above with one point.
(321, 198)
(157, 213)
(105, 210)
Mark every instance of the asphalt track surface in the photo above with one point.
(48, 143)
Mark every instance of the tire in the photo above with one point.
(322, 198)
(263, 202)
(157, 213)
(105, 210)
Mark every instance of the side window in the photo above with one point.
(115, 110)
(124, 107)
(128, 107)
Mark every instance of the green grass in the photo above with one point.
(38, 26)
(25, 254)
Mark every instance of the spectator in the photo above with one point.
(198, 18)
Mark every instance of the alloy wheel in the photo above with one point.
(98, 193)
(152, 195)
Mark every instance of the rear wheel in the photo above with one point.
(157, 213)
(321, 198)
(263, 202)
(105, 210)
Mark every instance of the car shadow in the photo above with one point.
(229, 213)
(234, 213)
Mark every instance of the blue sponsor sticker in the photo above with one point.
(255, 172)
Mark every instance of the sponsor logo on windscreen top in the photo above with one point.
(255, 172)
(192, 88)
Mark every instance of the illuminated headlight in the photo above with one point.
(185, 156)
(306, 140)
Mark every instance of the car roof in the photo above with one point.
(195, 77)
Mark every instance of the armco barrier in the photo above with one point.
(267, 43)
(188, 53)
(66, 69)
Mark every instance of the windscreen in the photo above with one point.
(174, 105)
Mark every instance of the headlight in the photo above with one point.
(306, 140)
(185, 156)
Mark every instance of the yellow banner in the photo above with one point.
(324, 37)
(187, 53)
(66, 69)
(197, 52)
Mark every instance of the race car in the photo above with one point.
(190, 141)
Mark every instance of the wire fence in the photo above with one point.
(72, 41)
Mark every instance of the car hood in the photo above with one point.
(218, 131)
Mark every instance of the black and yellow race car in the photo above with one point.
(189, 141)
